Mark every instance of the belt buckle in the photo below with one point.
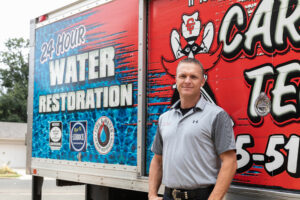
(174, 194)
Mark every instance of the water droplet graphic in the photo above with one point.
(103, 135)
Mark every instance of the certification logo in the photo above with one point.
(78, 136)
(103, 135)
(55, 135)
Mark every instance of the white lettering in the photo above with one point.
(93, 64)
(107, 65)
(48, 104)
(237, 35)
(235, 12)
(114, 96)
(281, 89)
(63, 101)
(105, 97)
(98, 92)
(80, 102)
(102, 97)
(70, 40)
(56, 69)
(71, 70)
(90, 99)
(258, 76)
(283, 93)
(263, 13)
(42, 104)
(287, 23)
(81, 59)
(71, 101)
(126, 95)
(55, 101)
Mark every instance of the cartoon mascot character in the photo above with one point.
(193, 43)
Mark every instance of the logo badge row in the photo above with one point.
(103, 135)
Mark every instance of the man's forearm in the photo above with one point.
(155, 176)
(226, 174)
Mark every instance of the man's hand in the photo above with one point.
(155, 198)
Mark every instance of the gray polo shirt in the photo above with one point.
(191, 144)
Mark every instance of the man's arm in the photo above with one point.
(225, 176)
(155, 176)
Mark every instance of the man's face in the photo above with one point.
(189, 80)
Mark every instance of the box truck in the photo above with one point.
(102, 71)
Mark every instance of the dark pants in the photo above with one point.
(202, 196)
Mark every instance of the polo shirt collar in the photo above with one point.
(176, 105)
(200, 104)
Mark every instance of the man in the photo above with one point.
(194, 145)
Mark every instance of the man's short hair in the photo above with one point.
(194, 61)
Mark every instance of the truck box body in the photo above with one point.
(101, 73)
(85, 93)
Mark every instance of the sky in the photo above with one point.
(15, 16)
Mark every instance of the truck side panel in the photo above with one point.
(250, 53)
(85, 88)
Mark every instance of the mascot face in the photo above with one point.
(190, 41)
(191, 27)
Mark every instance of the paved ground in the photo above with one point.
(20, 189)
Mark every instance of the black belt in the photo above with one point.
(187, 194)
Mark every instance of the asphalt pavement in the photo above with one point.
(20, 189)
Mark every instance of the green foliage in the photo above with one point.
(14, 81)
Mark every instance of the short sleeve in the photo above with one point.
(222, 133)
(157, 146)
